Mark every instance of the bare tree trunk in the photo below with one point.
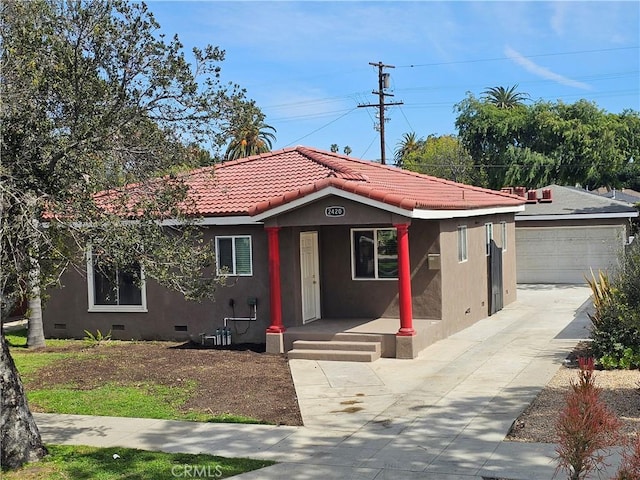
(35, 334)
(20, 440)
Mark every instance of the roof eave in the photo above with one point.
(431, 214)
(577, 216)
(325, 192)
(416, 212)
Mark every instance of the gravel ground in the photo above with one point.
(620, 391)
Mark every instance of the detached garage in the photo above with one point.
(566, 232)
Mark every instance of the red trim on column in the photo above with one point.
(275, 296)
(404, 282)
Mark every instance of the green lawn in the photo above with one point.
(80, 462)
(18, 338)
(142, 399)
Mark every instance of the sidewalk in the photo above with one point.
(443, 415)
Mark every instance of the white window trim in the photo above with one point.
(503, 226)
(488, 236)
(375, 256)
(233, 256)
(465, 245)
(142, 308)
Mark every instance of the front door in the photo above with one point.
(310, 279)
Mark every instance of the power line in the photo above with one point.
(577, 52)
(406, 119)
(368, 146)
(359, 96)
(320, 128)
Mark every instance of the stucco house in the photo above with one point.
(311, 238)
(565, 232)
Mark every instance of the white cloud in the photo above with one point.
(543, 72)
(558, 17)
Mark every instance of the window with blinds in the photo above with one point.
(233, 255)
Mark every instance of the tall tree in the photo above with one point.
(442, 157)
(408, 144)
(249, 133)
(503, 97)
(549, 142)
(94, 99)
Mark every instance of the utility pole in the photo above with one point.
(383, 83)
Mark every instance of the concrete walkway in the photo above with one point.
(443, 415)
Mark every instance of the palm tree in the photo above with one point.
(503, 97)
(250, 138)
(409, 143)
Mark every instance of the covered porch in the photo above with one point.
(359, 339)
(327, 270)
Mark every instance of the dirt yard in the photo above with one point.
(243, 381)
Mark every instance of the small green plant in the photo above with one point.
(96, 340)
(608, 362)
(601, 293)
(585, 427)
(629, 359)
(624, 358)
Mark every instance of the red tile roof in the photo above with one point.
(259, 183)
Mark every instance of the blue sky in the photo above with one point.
(306, 63)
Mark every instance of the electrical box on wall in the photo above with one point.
(433, 260)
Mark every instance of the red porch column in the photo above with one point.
(404, 282)
(275, 297)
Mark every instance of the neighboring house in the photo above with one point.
(306, 235)
(566, 232)
(625, 195)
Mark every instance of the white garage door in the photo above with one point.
(565, 254)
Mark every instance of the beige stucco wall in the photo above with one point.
(344, 297)
(465, 288)
(68, 306)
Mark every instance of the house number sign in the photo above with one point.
(334, 211)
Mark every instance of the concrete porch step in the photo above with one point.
(334, 355)
(357, 337)
(351, 346)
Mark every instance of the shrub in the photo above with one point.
(96, 340)
(616, 320)
(585, 427)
